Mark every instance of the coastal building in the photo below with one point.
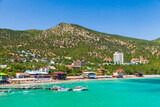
(135, 61)
(79, 63)
(127, 63)
(68, 58)
(22, 75)
(3, 66)
(35, 59)
(73, 66)
(15, 60)
(89, 75)
(106, 59)
(37, 74)
(118, 73)
(52, 62)
(102, 70)
(139, 74)
(45, 69)
(51, 67)
(118, 58)
(44, 60)
(144, 61)
(59, 75)
(3, 77)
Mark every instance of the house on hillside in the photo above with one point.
(68, 58)
(73, 66)
(106, 59)
(51, 67)
(44, 60)
(15, 60)
(45, 69)
(135, 60)
(79, 63)
(3, 66)
(35, 59)
(144, 61)
(52, 62)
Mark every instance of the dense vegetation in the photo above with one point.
(81, 44)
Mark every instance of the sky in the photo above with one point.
(131, 18)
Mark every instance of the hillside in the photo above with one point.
(79, 42)
(158, 40)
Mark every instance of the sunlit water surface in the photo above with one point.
(101, 93)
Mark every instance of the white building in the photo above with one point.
(52, 62)
(118, 58)
(135, 61)
(44, 69)
(51, 67)
(3, 66)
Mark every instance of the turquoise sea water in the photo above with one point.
(101, 93)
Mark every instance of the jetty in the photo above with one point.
(30, 88)
(5, 91)
(36, 88)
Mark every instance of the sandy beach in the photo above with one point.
(51, 81)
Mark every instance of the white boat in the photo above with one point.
(77, 89)
(80, 88)
(63, 89)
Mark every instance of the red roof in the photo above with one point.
(70, 66)
(119, 70)
(107, 59)
(135, 59)
(59, 72)
(21, 73)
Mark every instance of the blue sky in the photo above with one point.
(132, 18)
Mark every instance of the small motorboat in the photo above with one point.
(80, 88)
(63, 89)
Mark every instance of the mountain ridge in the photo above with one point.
(67, 39)
(79, 26)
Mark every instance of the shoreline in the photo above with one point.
(74, 80)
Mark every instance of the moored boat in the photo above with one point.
(63, 89)
(80, 88)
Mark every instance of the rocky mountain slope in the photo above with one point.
(79, 42)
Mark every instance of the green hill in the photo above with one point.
(79, 42)
(158, 40)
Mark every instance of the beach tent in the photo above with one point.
(3, 76)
